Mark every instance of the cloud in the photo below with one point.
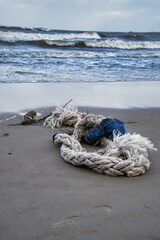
(112, 14)
(103, 15)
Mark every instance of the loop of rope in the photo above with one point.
(125, 155)
(61, 117)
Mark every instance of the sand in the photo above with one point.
(42, 197)
(17, 97)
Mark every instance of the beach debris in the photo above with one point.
(66, 114)
(124, 155)
(49, 114)
(30, 117)
(5, 134)
(67, 103)
(130, 122)
(108, 127)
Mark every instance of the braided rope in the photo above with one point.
(62, 116)
(125, 155)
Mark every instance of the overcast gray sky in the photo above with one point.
(102, 15)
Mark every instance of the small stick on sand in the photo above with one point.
(67, 103)
(49, 114)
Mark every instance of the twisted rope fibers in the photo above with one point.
(125, 155)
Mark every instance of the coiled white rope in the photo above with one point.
(125, 155)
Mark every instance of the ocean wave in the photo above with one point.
(14, 28)
(120, 44)
(108, 44)
(24, 36)
(5, 56)
(132, 36)
(45, 55)
(82, 80)
(78, 39)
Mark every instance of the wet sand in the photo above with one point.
(17, 97)
(42, 197)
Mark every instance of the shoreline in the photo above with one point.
(16, 117)
(122, 95)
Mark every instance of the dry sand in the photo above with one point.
(44, 198)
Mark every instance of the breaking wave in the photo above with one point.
(118, 44)
(47, 38)
(44, 55)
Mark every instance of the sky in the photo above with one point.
(89, 15)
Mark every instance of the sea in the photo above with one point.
(40, 55)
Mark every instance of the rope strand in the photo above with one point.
(125, 155)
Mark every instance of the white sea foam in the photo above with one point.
(90, 39)
(111, 43)
(38, 55)
(22, 36)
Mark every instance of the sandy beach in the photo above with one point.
(43, 197)
(100, 58)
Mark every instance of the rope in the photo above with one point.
(125, 155)
(62, 116)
